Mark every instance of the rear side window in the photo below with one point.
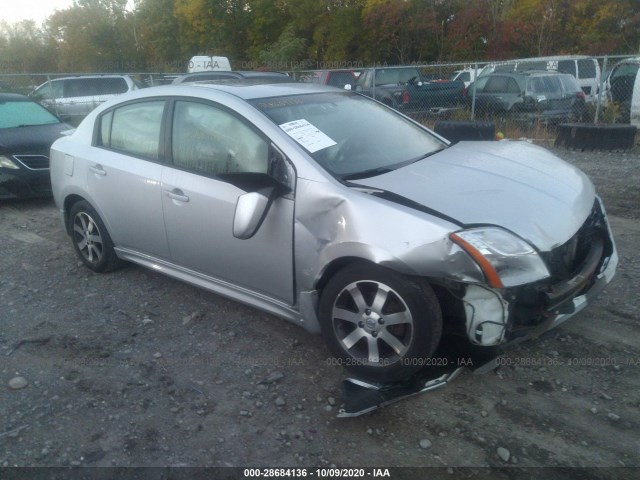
(570, 84)
(133, 129)
(86, 87)
(501, 85)
(586, 68)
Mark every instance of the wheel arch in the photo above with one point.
(68, 204)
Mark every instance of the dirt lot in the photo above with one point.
(136, 369)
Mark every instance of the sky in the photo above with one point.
(12, 11)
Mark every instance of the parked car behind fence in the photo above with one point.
(72, 98)
(623, 90)
(529, 96)
(272, 77)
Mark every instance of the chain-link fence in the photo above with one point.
(525, 97)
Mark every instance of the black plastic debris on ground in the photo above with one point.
(362, 396)
(586, 136)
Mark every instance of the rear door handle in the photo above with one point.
(98, 170)
(177, 194)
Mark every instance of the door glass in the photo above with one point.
(210, 140)
(135, 128)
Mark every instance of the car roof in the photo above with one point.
(89, 76)
(246, 90)
(232, 74)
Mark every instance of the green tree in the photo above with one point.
(25, 48)
(94, 35)
(156, 26)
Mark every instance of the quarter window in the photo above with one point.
(212, 141)
(133, 128)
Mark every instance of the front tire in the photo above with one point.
(91, 241)
(381, 325)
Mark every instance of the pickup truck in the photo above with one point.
(406, 90)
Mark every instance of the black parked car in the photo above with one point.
(27, 130)
(547, 96)
(270, 77)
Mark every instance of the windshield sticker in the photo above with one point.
(307, 135)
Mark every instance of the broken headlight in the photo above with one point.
(505, 259)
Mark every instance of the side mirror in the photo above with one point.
(262, 188)
(251, 209)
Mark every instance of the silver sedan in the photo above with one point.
(337, 213)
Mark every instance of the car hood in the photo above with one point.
(31, 139)
(512, 184)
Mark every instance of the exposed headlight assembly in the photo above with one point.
(505, 259)
(6, 162)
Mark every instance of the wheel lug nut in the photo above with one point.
(367, 311)
(374, 334)
(361, 324)
(381, 321)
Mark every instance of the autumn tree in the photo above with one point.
(94, 35)
(25, 48)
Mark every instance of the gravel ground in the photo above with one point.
(136, 369)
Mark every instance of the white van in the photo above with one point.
(585, 69)
(203, 63)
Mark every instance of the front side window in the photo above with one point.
(497, 84)
(50, 90)
(133, 128)
(212, 141)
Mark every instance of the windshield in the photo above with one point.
(350, 135)
(24, 114)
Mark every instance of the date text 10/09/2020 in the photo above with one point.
(420, 361)
(317, 472)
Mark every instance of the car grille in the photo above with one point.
(33, 162)
(564, 261)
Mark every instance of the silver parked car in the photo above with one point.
(72, 98)
(337, 213)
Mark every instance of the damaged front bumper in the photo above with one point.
(509, 316)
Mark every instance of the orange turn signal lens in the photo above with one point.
(493, 279)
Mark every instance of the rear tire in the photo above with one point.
(381, 325)
(90, 238)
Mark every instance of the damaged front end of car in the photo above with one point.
(529, 292)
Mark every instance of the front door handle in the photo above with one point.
(177, 194)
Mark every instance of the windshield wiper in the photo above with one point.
(380, 170)
(367, 173)
(422, 157)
